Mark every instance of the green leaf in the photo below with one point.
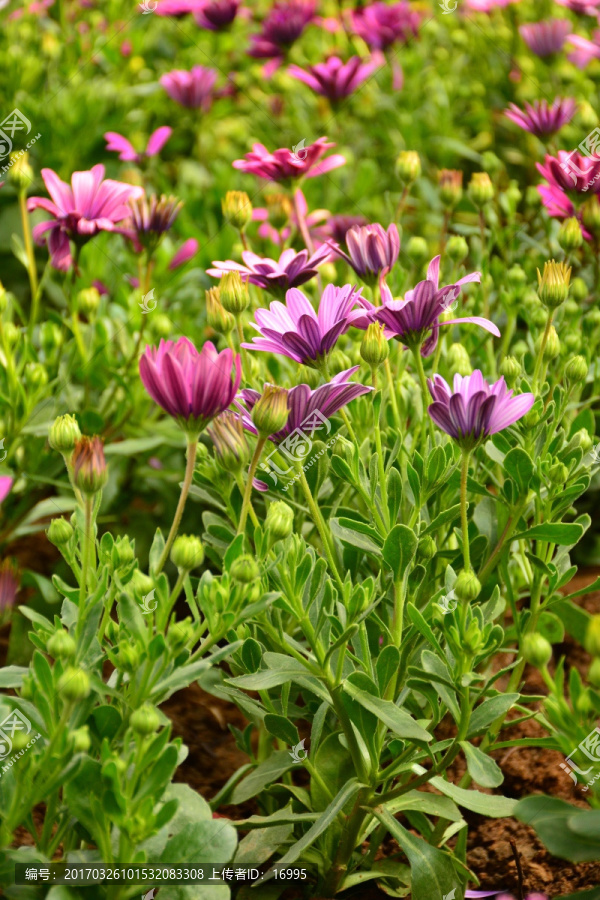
(282, 728)
(551, 819)
(264, 775)
(251, 653)
(354, 537)
(213, 839)
(551, 627)
(399, 549)
(396, 719)
(387, 665)
(107, 721)
(446, 516)
(489, 711)
(519, 467)
(574, 618)
(482, 768)
(555, 533)
(261, 843)
(394, 492)
(491, 805)
(12, 676)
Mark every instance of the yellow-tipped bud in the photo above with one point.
(553, 284)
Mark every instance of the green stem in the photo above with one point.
(88, 540)
(381, 466)
(540, 357)
(240, 483)
(31, 267)
(392, 393)
(463, 509)
(322, 529)
(185, 489)
(416, 352)
(248, 492)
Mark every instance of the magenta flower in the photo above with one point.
(415, 321)
(89, 205)
(335, 79)
(286, 166)
(303, 403)
(487, 6)
(192, 387)
(582, 7)
(187, 250)
(585, 51)
(9, 585)
(541, 119)
(572, 172)
(216, 15)
(295, 330)
(292, 270)
(193, 89)
(545, 38)
(380, 25)
(371, 249)
(6, 482)
(475, 409)
(281, 28)
(119, 144)
(337, 227)
(311, 219)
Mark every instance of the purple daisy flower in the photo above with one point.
(303, 402)
(540, 118)
(216, 15)
(337, 227)
(572, 172)
(380, 25)
(415, 321)
(335, 79)
(292, 269)
(295, 330)
(475, 409)
(545, 38)
(371, 249)
(585, 51)
(193, 89)
(127, 152)
(281, 28)
(286, 166)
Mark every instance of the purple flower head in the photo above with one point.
(191, 386)
(334, 79)
(585, 51)
(371, 249)
(572, 173)
(540, 118)
(119, 144)
(150, 219)
(80, 210)
(337, 227)
(380, 25)
(178, 7)
(415, 321)
(9, 585)
(194, 89)
(475, 409)
(297, 331)
(216, 15)
(286, 166)
(292, 270)
(487, 6)
(303, 402)
(545, 38)
(281, 28)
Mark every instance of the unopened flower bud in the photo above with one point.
(60, 532)
(338, 362)
(123, 551)
(64, 434)
(552, 346)
(187, 552)
(594, 672)
(216, 316)
(450, 181)
(237, 209)
(279, 208)
(19, 741)
(81, 740)
(61, 645)
(229, 439)
(426, 548)
(576, 370)
(74, 684)
(374, 347)
(11, 333)
(459, 360)
(553, 285)
(88, 301)
(467, 586)
(20, 173)
(161, 325)
(181, 634)
(570, 306)
(582, 439)
(590, 214)
(592, 636)
(510, 368)
(89, 466)
(572, 342)
(36, 375)
(457, 248)
(245, 569)
(233, 293)
(516, 276)
(141, 583)
(531, 419)
(536, 650)
(280, 520)
(128, 657)
(50, 337)
(519, 349)
(270, 412)
(558, 473)
(306, 375)
(591, 321)
(145, 720)
(481, 189)
(472, 637)
(408, 166)
(570, 237)
(579, 290)
(417, 249)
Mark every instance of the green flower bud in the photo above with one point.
(88, 301)
(229, 439)
(536, 650)
(558, 473)
(579, 290)
(459, 360)
(187, 552)
(539, 316)
(245, 569)
(61, 645)
(591, 321)
(571, 307)
(417, 249)
(141, 583)
(531, 419)
(481, 189)
(491, 163)
(161, 325)
(472, 639)
(594, 672)
(237, 209)
(36, 374)
(582, 439)
(50, 336)
(279, 208)
(374, 347)
(27, 687)
(81, 740)
(516, 276)
(510, 368)
(123, 551)
(216, 316)
(112, 631)
(519, 349)
(280, 520)
(59, 532)
(450, 181)
(572, 342)
(181, 634)
(570, 237)
(20, 173)
(457, 248)
(552, 346)
(576, 370)
(233, 293)
(532, 197)
(339, 362)
(128, 657)
(89, 466)
(19, 741)
(592, 636)
(74, 684)
(145, 720)
(584, 704)
(467, 586)
(64, 434)
(306, 375)
(553, 285)
(590, 214)
(270, 412)
(11, 333)
(408, 166)
(426, 548)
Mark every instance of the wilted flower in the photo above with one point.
(380, 25)
(216, 15)
(191, 386)
(540, 118)
(281, 28)
(89, 466)
(292, 269)
(119, 144)
(9, 585)
(194, 89)
(89, 205)
(335, 79)
(371, 249)
(287, 166)
(295, 330)
(475, 409)
(545, 38)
